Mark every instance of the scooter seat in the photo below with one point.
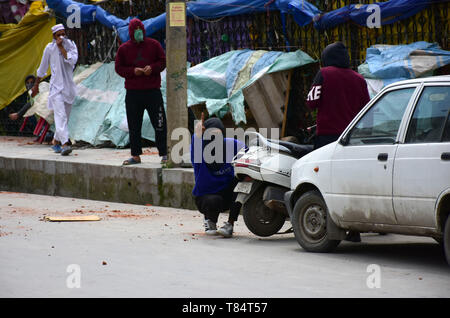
(297, 150)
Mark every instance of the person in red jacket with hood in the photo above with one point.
(140, 61)
(338, 93)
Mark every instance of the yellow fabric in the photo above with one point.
(21, 49)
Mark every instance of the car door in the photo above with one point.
(362, 163)
(422, 162)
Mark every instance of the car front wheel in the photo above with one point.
(310, 223)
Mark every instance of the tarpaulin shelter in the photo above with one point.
(98, 113)
(21, 49)
(220, 81)
(386, 64)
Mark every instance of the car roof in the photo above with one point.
(431, 79)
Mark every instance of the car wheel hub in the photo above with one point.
(314, 222)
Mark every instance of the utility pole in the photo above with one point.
(176, 77)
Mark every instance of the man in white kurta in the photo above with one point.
(61, 55)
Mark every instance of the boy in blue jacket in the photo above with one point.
(211, 156)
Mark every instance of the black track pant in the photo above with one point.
(211, 205)
(136, 101)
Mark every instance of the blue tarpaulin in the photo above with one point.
(390, 12)
(386, 64)
(302, 12)
(405, 61)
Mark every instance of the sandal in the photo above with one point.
(130, 161)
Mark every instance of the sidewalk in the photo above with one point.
(92, 173)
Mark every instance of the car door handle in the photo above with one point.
(382, 157)
(445, 156)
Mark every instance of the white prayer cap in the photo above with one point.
(57, 27)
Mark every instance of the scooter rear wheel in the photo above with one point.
(260, 219)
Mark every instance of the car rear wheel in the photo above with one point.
(446, 239)
(310, 223)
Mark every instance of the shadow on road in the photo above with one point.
(421, 254)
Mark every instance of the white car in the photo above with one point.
(389, 172)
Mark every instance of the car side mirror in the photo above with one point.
(344, 140)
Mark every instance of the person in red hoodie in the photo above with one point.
(140, 61)
(338, 93)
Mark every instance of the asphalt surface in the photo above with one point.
(148, 251)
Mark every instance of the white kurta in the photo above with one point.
(62, 87)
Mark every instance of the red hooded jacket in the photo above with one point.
(132, 54)
(337, 92)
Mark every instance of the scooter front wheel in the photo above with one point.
(260, 219)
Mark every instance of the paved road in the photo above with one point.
(146, 251)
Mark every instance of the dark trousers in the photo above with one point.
(136, 101)
(211, 205)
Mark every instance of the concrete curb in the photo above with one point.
(135, 184)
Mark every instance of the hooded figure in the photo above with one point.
(140, 61)
(336, 54)
(214, 175)
(338, 93)
(138, 53)
(136, 30)
(215, 144)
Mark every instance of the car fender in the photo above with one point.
(442, 208)
(314, 168)
(314, 171)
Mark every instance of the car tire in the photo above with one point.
(446, 239)
(309, 222)
(259, 219)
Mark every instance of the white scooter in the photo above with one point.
(264, 171)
